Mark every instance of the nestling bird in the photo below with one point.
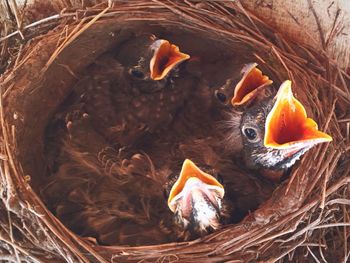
(242, 89)
(272, 131)
(276, 132)
(204, 200)
(239, 93)
(151, 63)
(196, 198)
(137, 90)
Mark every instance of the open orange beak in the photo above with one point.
(166, 57)
(191, 177)
(249, 86)
(287, 125)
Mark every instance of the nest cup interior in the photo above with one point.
(46, 94)
(216, 57)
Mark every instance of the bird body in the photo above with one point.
(106, 193)
(122, 98)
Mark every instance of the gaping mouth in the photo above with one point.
(287, 125)
(251, 83)
(166, 57)
(193, 179)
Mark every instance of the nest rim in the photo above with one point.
(313, 197)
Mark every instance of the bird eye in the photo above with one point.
(137, 73)
(219, 178)
(250, 133)
(220, 96)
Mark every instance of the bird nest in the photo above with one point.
(307, 215)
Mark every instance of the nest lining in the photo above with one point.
(295, 210)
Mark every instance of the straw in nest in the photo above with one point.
(306, 217)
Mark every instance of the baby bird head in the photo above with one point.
(243, 89)
(196, 199)
(276, 132)
(150, 62)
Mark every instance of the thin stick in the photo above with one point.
(37, 23)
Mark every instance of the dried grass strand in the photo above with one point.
(278, 238)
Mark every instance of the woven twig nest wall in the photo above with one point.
(306, 217)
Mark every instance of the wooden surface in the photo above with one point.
(305, 19)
